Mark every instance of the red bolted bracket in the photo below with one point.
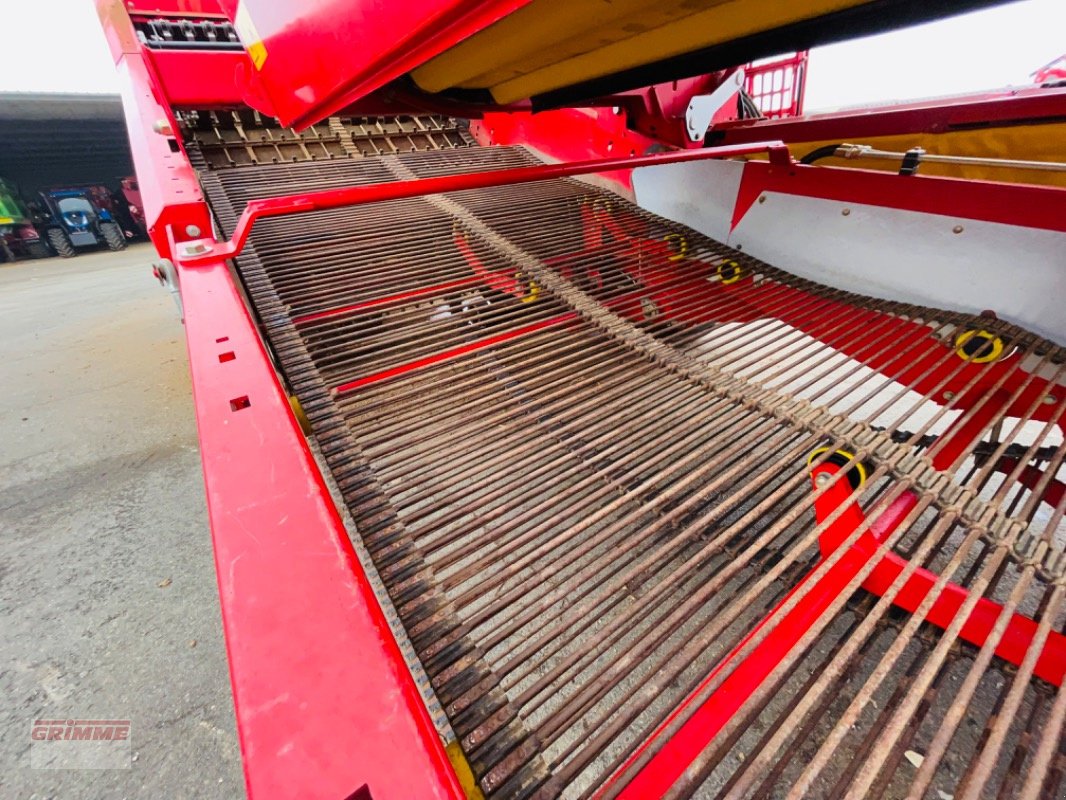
(836, 509)
(815, 595)
(1051, 666)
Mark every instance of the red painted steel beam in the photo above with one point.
(986, 404)
(1008, 203)
(455, 352)
(568, 135)
(626, 304)
(174, 8)
(1016, 106)
(325, 702)
(170, 192)
(398, 190)
(678, 751)
(1051, 666)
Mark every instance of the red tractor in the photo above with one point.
(131, 192)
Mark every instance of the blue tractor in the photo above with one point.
(73, 218)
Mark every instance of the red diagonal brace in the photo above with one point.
(677, 752)
(692, 737)
(1051, 666)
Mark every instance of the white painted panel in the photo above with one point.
(700, 194)
(909, 256)
(1019, 273)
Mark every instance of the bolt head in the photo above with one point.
(1050, 399)
(821, 479)
(948, 395)
(193, 231)
(195, 249)
(957, 229)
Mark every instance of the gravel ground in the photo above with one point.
(108, 602)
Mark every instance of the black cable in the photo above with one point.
(819, 153)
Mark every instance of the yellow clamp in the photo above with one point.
(462, 771)
(839, 458)
(301, 417)
(681, 246)
(533, 293)
(602, 204)
(730, 272)
(982, 352)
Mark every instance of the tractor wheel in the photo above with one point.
(113, 236)
(37, 250)
(61, 243)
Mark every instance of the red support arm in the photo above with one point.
(1051, 666)
(206, 252)
(678, 751)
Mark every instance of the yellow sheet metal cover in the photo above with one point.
(548, 45)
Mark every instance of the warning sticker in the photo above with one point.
(253, 42)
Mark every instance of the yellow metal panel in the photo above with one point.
(1026, 142)
(720, 24)
(463, 771)
(541, 34)
(550, 44)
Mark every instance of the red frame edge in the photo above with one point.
(324, 701)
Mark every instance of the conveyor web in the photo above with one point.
(574, 438)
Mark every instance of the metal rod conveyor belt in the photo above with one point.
(576, 441)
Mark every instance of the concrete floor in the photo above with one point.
(108, 601)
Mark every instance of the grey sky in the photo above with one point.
(57, 46)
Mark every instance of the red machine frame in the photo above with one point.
(1014, 106)
(325, 703)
